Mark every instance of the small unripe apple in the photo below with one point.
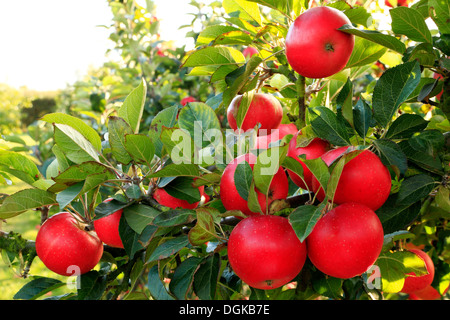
(265, 252)
(66, 247)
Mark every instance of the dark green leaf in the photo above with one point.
(328, 126)
(243, 179)
(183, 277)
(206, 277)
(92, 286)
(362, 117)
(156, 286)
(415, 188)
(182, 188)
(391, 155)
(37, 287)
(405, 126)
(303, 219)
(392, 89)
(396, 217)
(168, 248)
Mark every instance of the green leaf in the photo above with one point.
(328, 126)
(439, 12)
(19, 165)
(243, 176)
(201, 122)
(329, 287)
(304, 218)
(77, 124)
(168, 248)
(178, 144)
(267, 165)
(206, 278)
(37, 287)
(405, 126)
(288, 7)
(415, 188)
(396, 217)
(92, 286)
(177, 170)
(344, 101)
(138, 216)
(409, 22)
(73, 144)
(214, 56)
(319, 169)
(245, 76)
(68, 195)
(204, 229)
(182, 188)
(156, 286)
(443, 198)
(130, 238)
(385, 40)
(395, 265)
(174, 217)
(25, 200)
(391, 155)
(421, 158)
(118, 128)
(167, 118)
(392, 89)
(243, 9)
(133, 106)
(183, 277)
(140, 148)
(362, 117)
(365, 52)
(210, 33)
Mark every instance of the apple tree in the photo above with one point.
(384, 117)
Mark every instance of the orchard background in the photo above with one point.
(110, 136)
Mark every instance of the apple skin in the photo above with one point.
(186, 100)
(364, 179)
(249, 52)
(279, 187)
(265, 252)
(415, 283)
(428, 293)
(263, 141)
(165, 199)
(107, 228)
(439, 95)
(313, 150)
(403, 3)
(65, 247)
(346, 241)
(314, 46)
(264, 109)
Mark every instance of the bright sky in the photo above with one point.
(48, 44)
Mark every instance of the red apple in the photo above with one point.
(263, 141)
(438, 76)
(415, 283)
(264, 109)
(265, 252)
(313, 150)
(249, 52)
(186, 100)
(428, 293)
(230, 197)
(364, 179)
(165, 199)
(346, 241)
(403, 3)
(314, 46)
(107, 228)
(66, 247)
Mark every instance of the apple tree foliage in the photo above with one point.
(384, 100)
